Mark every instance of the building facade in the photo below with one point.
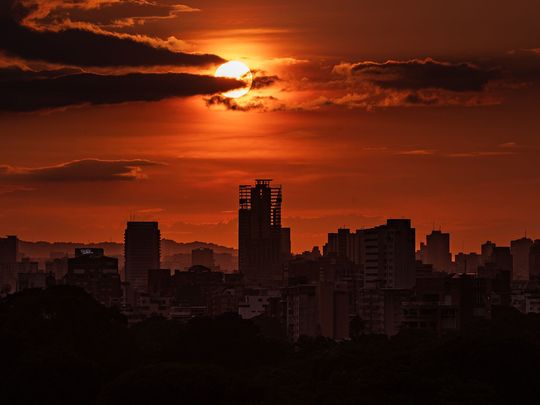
(260, 244)
(520, 249)
(387, 254)
(142, 253)
(97, 274)
(9, 251)
(436, 251)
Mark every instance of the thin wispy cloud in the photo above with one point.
(85, 170)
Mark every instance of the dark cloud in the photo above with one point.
(30, 91)
(85, 47)
(113, 13)
(521, 65)
(228, 103)
(86, 170)
(425, 74)
(416, 98)
(256, 103)
(14, 73)
(263, 81)
(250, 102)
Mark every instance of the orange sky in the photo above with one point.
(446, 133)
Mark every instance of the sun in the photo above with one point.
(236, 70)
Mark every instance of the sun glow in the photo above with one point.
(236, 70)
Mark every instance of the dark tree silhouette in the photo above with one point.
(60, 346)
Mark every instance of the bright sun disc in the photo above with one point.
(239, 71)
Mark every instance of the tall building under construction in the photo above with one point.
(261, 245)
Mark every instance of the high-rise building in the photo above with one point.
(496, 259)
(285, 243)
(342, 244)
(142, 245)
(260, 233)
(319, 309)
(487, 251)
(436, 251)
(9, 250)
(534, 261)
(467, 263)
(498, 269)
(388, 255)
(520, 253)
(502, 258)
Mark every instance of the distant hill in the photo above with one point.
(168, 247)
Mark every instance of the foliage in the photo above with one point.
(60, 346)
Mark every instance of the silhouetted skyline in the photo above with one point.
(290, 202)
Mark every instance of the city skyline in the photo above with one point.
(232, 226)
(368, 290)
(259, 230)
(293, 202)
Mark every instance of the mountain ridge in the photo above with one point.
(168, 247)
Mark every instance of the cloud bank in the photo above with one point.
(85, 47)
(24, 91)
(85, 170)
(421, 74)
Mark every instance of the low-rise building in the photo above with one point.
(97, 274)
